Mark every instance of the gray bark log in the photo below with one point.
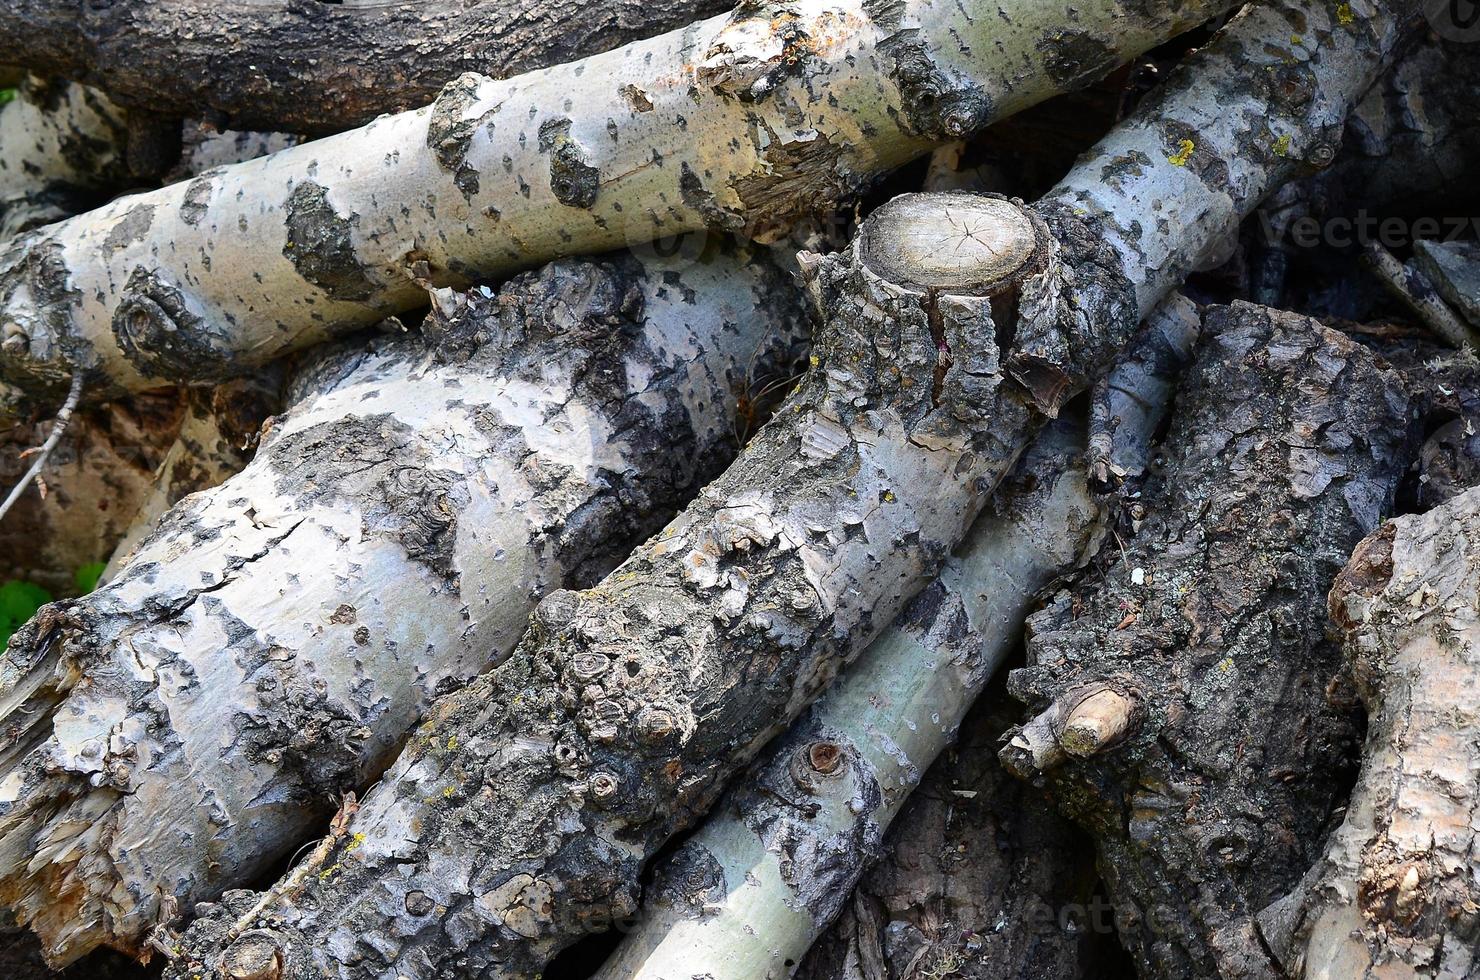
(269, 646)
(63, 150)
(1397, 893)
(741, 123)
(747, 895)
(313, 68)
(1184, 716)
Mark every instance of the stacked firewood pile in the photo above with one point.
(853, 489)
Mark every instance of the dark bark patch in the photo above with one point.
(321, 245)
(131, 228)
(573, 180)
(934, 103)
(380, 465)
(696, 196)
(1076, 58)
(197, 195)
(797, 177)
(449, 133)
(158, 334)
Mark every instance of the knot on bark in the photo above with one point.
(160, 334)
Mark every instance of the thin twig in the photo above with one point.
(58, 427)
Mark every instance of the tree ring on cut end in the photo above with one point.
(966, 244)
(255, 956)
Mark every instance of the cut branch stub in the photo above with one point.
(969, 244)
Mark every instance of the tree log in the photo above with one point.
(1183, 705)
(1397, 893)
(270, 645)
(749, 893)
(740, 123)
(63, 150)
(313, 68)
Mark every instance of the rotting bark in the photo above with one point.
(94, 484)
(744, 123)
(1183, 713)
(63, 150)
(313, 68)
(269, 646)
(748, 894)
(981, 879)
(1397, 893)
(539, 791)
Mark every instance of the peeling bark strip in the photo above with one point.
(746, 122)
(1397, 893)
(1184, 714)
(270, 645)
(749, 893)
(313, 68)
(62, 149)
(519, 817)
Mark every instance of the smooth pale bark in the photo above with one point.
(1184, 702)
(268, 647)
(1397, 893)
(308, 67)
(750, 892)
(538, 792)
(63, 149)
(746, 123)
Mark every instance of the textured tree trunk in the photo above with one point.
(749, 893)
(1186, 713)
(63, 150)
(1397, 893)
(539, 791)
(313, 68)
(740, 123)
(269, 646)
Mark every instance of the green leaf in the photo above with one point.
(18, 603)
(6, 95)
(87, 576)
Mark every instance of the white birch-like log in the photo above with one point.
(62, 150)
(749, 893)
(520, 816)
(269, 646)
(1397, 893)
(744, 122)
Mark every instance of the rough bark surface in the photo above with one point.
(314, 68)
(269, 646)
(746, 123)
(1187, 717)
(790, 841)
(519, 817)
(1397, 893)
